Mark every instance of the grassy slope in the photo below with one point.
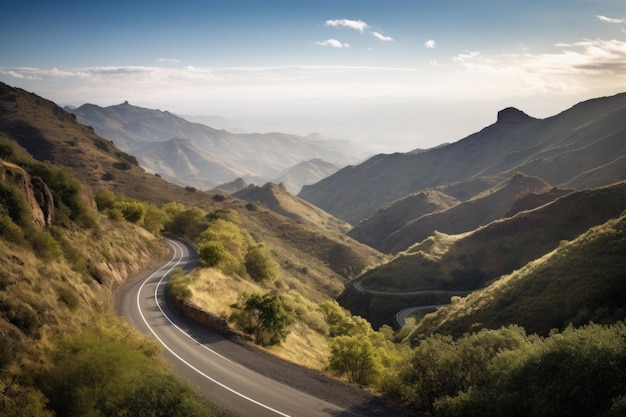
(581, 280)
(468, 261)
(484, 208)
(373, 230)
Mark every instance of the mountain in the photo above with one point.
(278, 199)
(302, 235)
(230, 187)
(488, 206)
(387, 220)
(180, 161)
(221, 157)
(50, 134)
(470, 260)
(587, 273)
(583, 147)
(306, 172)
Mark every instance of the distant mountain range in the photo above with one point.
(197, 155)
(581, 147)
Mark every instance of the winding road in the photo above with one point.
(403, 314)
(199, 355)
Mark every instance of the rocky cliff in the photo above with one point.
(37, 193)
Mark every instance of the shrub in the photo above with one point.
(260, 264)
(265, 317)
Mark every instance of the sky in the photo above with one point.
(392, 75)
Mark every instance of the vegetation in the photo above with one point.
(587, 273)
(512, 349)
(62, 351)
(99, 373)
(505, 372)
(264, 317)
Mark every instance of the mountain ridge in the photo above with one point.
(255, 157)
(535, 147)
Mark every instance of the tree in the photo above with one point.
(213, 253)
(353, 356)
(260, 264)
(234, 240)
(265, 317)
(342, 323)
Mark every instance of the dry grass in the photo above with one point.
(214, 291)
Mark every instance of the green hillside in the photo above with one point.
(580, 281)
(469, 261)
(63, 351)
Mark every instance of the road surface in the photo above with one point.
(195, 352)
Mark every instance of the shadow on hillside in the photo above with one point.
(30, 138)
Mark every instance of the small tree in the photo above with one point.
(353, 356)
(264, 317)
(213, 253)
(260, 264)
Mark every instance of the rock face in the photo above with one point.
(512, 115)
(36, 192)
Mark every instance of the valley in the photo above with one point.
(516, 233)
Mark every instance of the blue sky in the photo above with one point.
(392, 74)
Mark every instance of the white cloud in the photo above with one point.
(352, 24)
(431, 44)
(610, 19)
(382, 37)
(333, 43)
(168, 61)
(587, 65)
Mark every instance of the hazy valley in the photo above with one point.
(193, 154)
(516, 231)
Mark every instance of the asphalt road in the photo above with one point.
(194, 353)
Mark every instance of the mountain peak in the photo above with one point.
(512, 115)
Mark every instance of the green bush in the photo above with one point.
(353, 356)
(265, 317)
(260, 264)
(579, 372)
(93, 374)
(178, 286)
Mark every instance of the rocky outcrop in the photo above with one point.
(512, 115)
(36, 192)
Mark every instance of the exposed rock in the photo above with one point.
(512, 115)
(37, 193)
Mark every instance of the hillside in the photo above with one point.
(50, 134)
(60, 261)
(42, 127)
(223, 156)
(306, 172)
(387, 220)
(486, 207)
(469, 261)
(586, 273)
(582, 146)
(278, 199)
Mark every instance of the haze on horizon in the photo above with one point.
(392, 75)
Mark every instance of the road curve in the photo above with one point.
(219, 379)
(402, 315)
